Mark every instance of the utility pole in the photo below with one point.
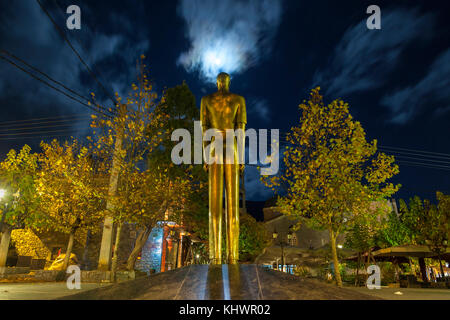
(104, 261)
(5, 238)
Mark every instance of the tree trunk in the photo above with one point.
(108, 224)
(396, 271)
(86, 262)
(357, 270)
(442, 268)
(411, 266)
(180, 252)
(115, 259)
(337, 274)
(368, 258)
(423, 270)
(4, 245)
(140, 242)
(69, 250)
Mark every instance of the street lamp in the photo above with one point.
(281, 242)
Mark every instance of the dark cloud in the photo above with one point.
(227, 35)
(29, 34)
(255, 189)
(363, 58)
(258, 107)
(431, 91)
(399, 72)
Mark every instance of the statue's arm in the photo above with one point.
(241, 117)
(204, 119)
(241, 121)
(204, 114)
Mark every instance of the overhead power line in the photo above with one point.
(60, 118)
(80, 43)
(400, 153)
(418, 164)
(44, 74)
(28, 124)
(88, 100)
(416, 151)
(63, 35)
(36, 127)
(431, 161)
(33, 133)
(53, 87)
(37, 137)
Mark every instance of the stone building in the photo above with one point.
(294, 248)
(304, 238)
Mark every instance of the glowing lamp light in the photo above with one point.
(2, 193)
(339, 246)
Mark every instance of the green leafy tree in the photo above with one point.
(180, 106)
(253, 237)
(398, 230)
(434, 225)
(420, 222)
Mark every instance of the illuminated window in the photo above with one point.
(293, 240)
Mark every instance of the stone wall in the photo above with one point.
(27, 243)
(13, 270)
(86, 276)
(305, 237)
(86, 246)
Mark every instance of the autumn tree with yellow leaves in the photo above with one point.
(136, 128)
(332, 173)
(17, 175)
(71, 189)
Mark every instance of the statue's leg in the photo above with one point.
(232, 195)
(215, 212)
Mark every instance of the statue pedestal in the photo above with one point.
(221, 282)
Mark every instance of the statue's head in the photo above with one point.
(223, 81)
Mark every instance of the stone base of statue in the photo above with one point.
(221, 282)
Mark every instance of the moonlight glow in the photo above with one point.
(221, 57)
(227, 36)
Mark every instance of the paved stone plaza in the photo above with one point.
(40, 290)
(200, 282)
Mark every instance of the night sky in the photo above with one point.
(396, 79)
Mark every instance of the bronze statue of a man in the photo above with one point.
(220, 111)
